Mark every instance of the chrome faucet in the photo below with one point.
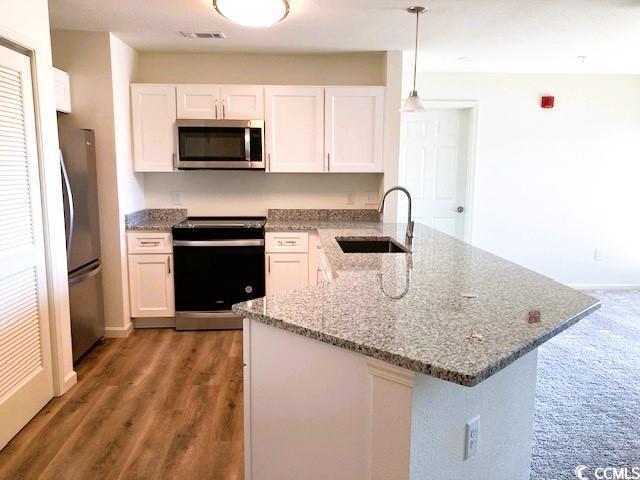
(409, 221)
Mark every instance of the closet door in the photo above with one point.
(26, 383)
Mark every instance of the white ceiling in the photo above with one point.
(496, 35)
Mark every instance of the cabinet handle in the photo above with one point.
(268, 263)
(216, 108)
(154, 244)
(223, 113)
(328, 162)
(286, 243)
(169, 264)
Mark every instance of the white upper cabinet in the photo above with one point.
(354, 128)
(62, 90)
(242, 102)
(294, 120)
(199, 101)
(154, 119)
(231, 102)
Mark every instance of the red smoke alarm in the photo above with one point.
(547, 102)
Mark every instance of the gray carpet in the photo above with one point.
(588, 393)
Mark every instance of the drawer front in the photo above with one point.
(287, 242)
(149, 242)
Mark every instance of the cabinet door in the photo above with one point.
(199, 101)
(154, 122)
(62, 90)
(242, 102)
(353, 128)
(295, 129)
(286, 272)
(151, 286)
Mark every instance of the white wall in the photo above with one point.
(224, 193)
(124, 62)
(554, 185)
(27, 23)
(253, 193)
(392, 130)
(100, 68)
(263, 69)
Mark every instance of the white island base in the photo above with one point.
(317, 411)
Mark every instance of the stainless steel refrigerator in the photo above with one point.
(81, 213)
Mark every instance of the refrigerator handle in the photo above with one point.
(79, 278)
(67, 187)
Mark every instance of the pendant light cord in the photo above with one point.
(415, 58)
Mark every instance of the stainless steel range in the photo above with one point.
(218, 261)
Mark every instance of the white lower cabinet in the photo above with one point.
(286, 261)
(151, 293)
(286, 272)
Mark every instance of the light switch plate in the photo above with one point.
(178, 198)
(371, 198)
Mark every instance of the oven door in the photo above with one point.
(212, 275)
(220, 144)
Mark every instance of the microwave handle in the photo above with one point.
(247, 144)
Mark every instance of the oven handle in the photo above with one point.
(218, 243)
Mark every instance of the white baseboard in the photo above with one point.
(606, 286)
(69, 381)
(118, 332)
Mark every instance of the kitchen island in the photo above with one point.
(376, 373)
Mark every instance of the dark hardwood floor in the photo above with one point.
(160, 404)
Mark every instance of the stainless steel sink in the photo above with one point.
(370, 245)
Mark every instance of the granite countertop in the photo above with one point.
(155, 219)
(448, 309)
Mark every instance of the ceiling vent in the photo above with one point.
(196, 35)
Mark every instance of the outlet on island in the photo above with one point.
(472, 437)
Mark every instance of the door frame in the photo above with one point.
(64, 376)
(472, 147)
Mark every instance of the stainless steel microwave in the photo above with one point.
(220, 144)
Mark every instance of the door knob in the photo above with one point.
(460, 209)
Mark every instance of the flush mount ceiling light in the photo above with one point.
(253, 13)
(413, 103)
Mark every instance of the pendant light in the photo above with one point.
(253, 13)
(413, 103)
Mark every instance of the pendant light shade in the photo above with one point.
(253, 13)
(413, 103)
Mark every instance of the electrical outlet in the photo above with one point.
(351, 198)
(178, 198)
(371, 198)
(472, 438)
(597, 255)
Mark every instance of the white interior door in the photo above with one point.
(26, 382)
(433, 167)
